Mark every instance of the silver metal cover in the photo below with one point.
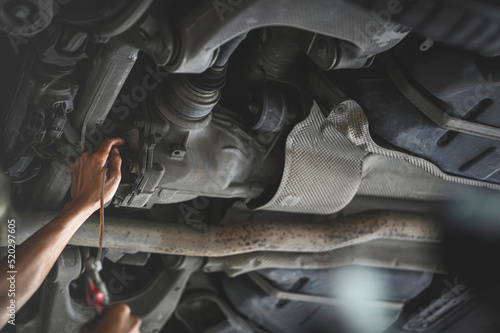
(329, 160)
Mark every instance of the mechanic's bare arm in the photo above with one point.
(36, 256)
(117, 319)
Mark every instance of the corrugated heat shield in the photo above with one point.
(330, 160)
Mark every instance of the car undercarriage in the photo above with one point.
(289, 166)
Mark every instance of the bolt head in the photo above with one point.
(340, 109)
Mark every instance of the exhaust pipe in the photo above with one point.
(215, 241)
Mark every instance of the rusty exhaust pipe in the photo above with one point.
(215, 241)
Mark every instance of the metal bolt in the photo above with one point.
(339, 109)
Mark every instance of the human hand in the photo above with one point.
(86, 174)
(117, 319)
